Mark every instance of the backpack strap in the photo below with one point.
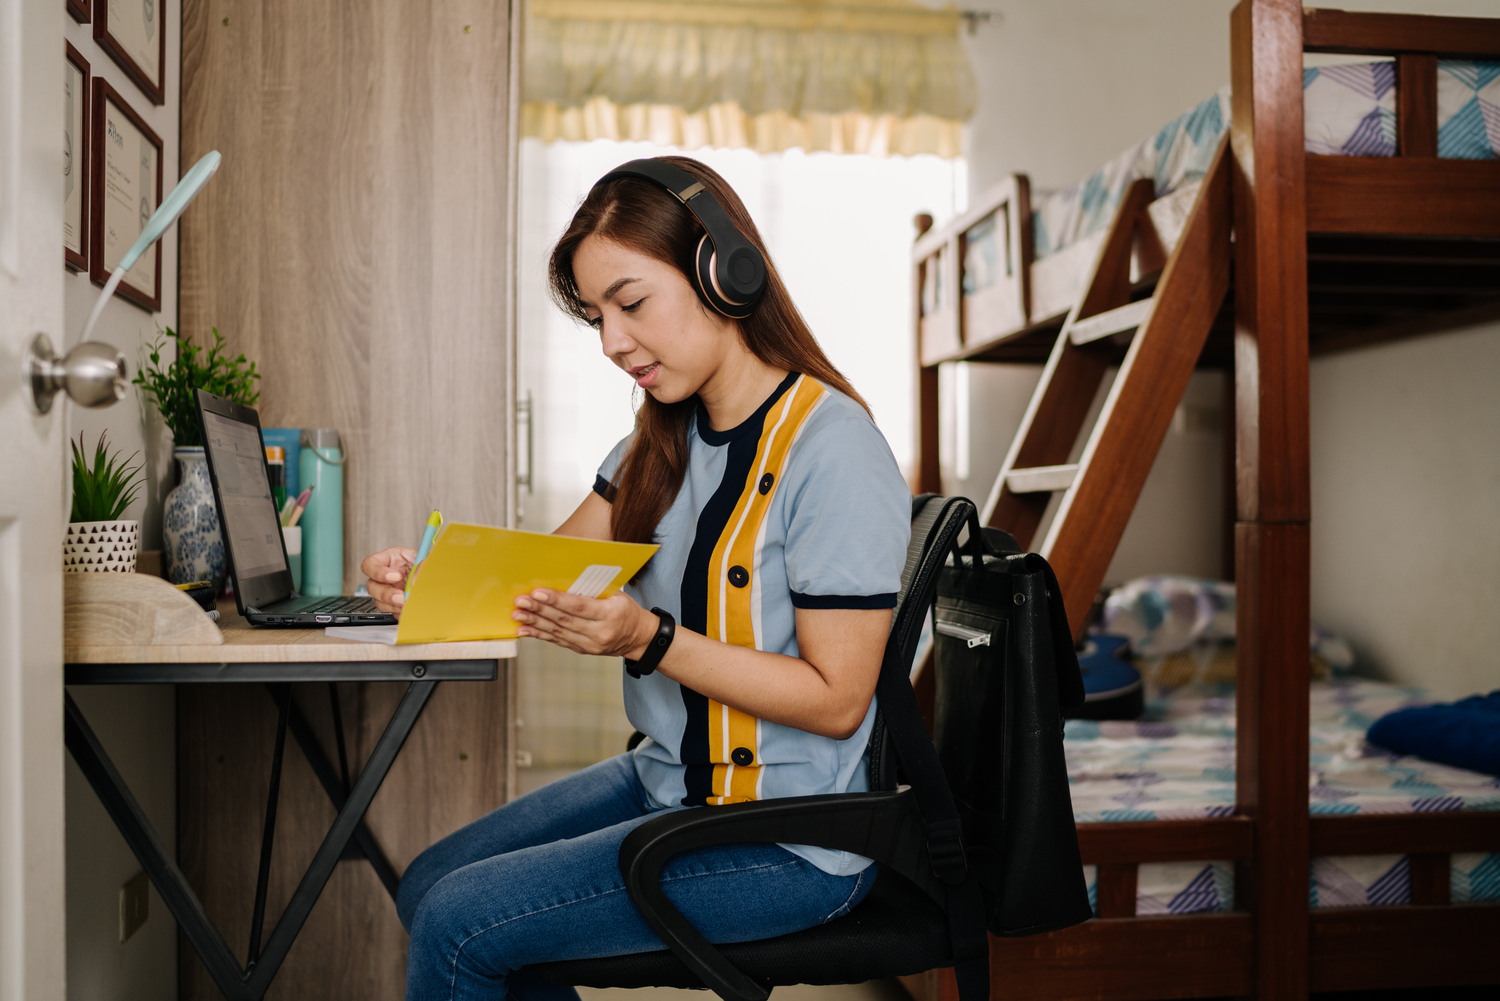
(919, 760)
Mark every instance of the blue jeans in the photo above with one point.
(539, 880)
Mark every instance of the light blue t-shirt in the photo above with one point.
(801, 506)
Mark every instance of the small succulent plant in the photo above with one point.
(103, 491)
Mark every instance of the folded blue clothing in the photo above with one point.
(1464, 734)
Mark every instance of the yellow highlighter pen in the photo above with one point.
(434, 522)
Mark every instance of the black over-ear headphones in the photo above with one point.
(730, 275)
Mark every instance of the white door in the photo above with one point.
(31, 506)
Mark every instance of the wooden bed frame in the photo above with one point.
(1329, 253)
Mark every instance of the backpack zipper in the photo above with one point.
(974, 637)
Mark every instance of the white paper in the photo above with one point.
(74, 129)
(594, 579)
(129, 195)
(134, 24)
(365, 634)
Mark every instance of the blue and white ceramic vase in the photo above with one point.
(192, 547)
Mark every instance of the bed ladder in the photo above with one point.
(1167, 333)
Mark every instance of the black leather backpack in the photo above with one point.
(1005, 668)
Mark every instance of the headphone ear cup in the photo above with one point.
(703, 272)
(703, 282)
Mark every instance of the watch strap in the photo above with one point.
(656, 649)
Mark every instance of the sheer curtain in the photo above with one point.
(840, 231)
(877, 76)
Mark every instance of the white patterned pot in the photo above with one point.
(101, 546)
(192, 547)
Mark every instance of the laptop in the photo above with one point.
(252, 528)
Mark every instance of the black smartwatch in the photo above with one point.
(656, 649)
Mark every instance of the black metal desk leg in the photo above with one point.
(338, 734)
(360, 797)
(152, 854)
(283, 696)
(338, 794)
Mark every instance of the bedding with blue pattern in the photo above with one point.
(1177, 762)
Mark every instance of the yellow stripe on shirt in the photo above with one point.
(731, 579)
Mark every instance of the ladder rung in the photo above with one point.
(1114, 321)
(1041, 479)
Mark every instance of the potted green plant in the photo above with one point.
(98, 541)
(192, 547)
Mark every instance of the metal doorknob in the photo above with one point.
(92, 374)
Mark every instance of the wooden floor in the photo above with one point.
(889, 990)
(875, 990)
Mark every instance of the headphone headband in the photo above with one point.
(730, 276)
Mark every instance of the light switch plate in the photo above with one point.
(135, 899)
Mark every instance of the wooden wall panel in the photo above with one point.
(357, 244)
(354, 242)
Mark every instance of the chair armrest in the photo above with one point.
(884, 826)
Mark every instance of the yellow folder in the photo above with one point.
(467, 586)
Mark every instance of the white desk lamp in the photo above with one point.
(94, 374)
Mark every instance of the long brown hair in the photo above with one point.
(637, 214)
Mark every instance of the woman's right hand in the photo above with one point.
(386, 572)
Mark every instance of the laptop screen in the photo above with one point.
(252, 528)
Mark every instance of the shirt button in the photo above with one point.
(765, 483)
(742, 756)
(738, 576)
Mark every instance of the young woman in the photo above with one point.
(757, 630)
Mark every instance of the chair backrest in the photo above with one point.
(1029, 876)
(935, 525)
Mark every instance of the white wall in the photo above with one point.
(131, 424)
(136, 725)
(1066, 84)
(1406, 507)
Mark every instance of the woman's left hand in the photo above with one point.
(612, 627)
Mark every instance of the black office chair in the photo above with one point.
(924, 911)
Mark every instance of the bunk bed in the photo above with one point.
(1249, 246)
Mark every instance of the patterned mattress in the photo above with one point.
(1349, 110)
(1177, 762)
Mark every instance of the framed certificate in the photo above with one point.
(76, 161)
(133, 34)
(126, 172)
(79, 9)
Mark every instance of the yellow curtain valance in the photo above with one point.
(901, 17)
(882, 77)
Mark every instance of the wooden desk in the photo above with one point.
(278, 658)
(244, 642)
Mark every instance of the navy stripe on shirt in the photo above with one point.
(800, 600)
(743, 442)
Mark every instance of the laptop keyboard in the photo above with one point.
(342, 604)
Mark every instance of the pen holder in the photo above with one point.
(292, 536)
